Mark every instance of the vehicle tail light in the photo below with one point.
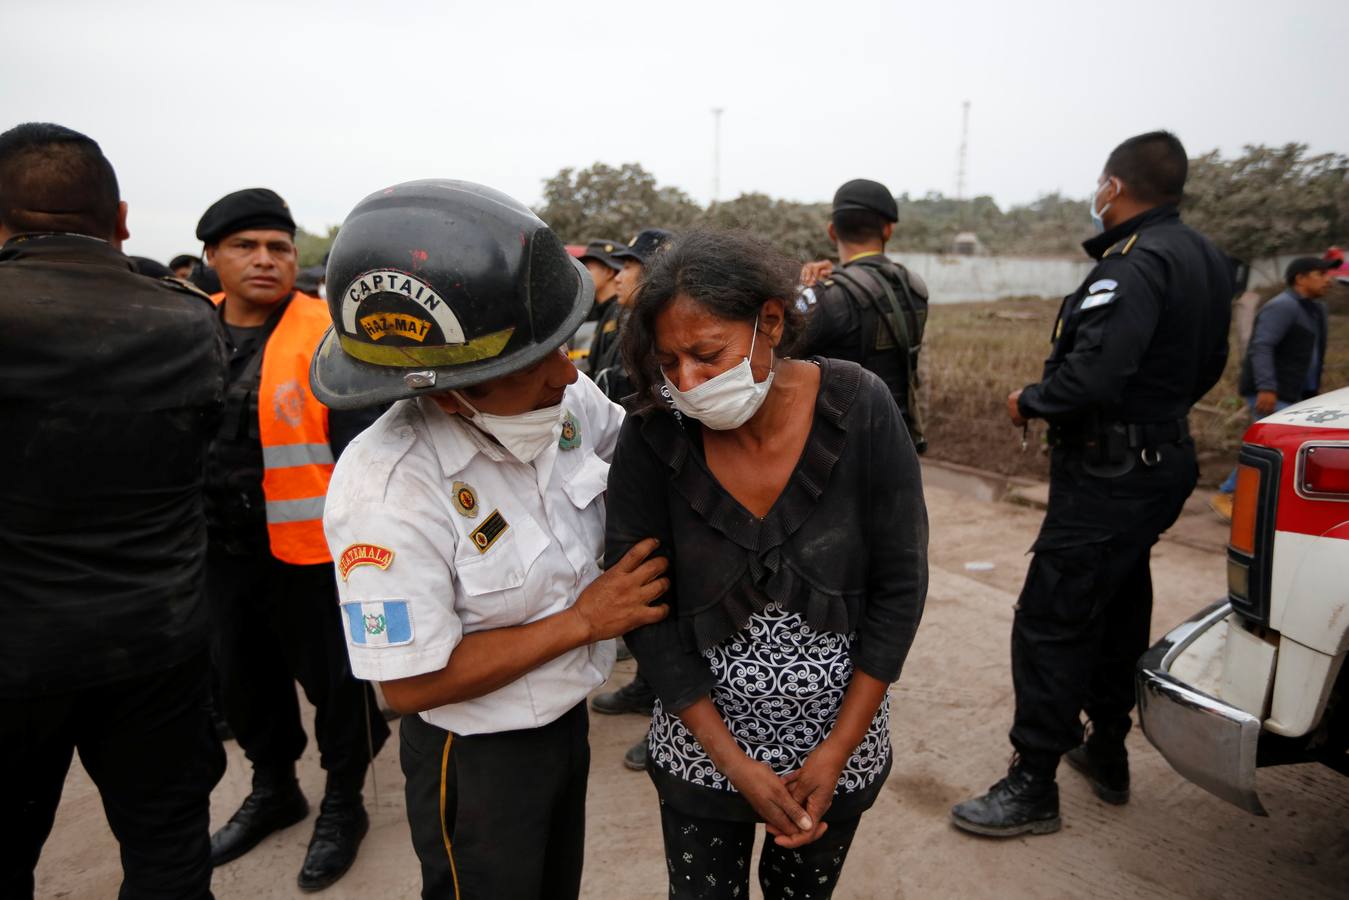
(1250, 548)
(1325, 471)
(1245, 505)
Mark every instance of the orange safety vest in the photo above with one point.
(297, 459)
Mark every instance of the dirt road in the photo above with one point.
(951, 711)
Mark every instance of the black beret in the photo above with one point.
(242, 210)
(604, 252)
(644, 245)
(869, 195)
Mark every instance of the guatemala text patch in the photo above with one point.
(487, 533)
(378, 623)
(363, 555)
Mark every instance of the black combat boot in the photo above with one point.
(341, 824)
(634, 697)
(1104, 761)
(635, 758)
(274, 803)
(1023, 802)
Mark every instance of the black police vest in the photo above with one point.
(891, 321)
(236, 508)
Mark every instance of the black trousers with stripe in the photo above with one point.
(498, 816)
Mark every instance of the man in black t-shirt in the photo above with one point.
(110, 388)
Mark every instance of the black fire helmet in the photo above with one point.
(441, 284)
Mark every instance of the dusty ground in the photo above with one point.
(951, 712)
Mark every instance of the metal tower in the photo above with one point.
(716, 152)
(964, 142)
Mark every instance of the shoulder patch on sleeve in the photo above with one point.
(378, 623)
(1105, 298)
(363, 555)
(1105, 284)
(806, 299)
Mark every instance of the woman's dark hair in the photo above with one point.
(730, 273)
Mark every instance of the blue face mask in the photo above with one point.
(1097, 216)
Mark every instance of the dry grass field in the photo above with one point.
(975, 353)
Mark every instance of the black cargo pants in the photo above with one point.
(1081, 623)
(1085, 611)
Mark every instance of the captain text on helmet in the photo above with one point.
(467, 521)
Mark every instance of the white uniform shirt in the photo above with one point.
(438, 532)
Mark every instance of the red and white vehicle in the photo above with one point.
(1258, 679)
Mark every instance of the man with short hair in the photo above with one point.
(1135, 347)
(182, 265)
(110, 387)
(869, 309)
(270, 577)
(1286, 353)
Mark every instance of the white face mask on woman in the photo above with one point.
(525, 435)
(728, 400)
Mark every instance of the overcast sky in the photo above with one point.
(327, 102)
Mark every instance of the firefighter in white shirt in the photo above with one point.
(466, 524)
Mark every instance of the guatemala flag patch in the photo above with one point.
(379, 623)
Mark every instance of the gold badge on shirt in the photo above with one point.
(465, 499)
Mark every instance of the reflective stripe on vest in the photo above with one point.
(297, 460)
(293, 425)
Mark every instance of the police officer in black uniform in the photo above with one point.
(1135, 347)
(603, 266)
(871, 309)
(110, 386)
(606, 367)
(275, 615)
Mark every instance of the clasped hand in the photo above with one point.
(792, 806)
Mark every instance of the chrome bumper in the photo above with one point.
(1204, 739)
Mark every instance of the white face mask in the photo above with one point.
(1098, 216)
(525, 436)
(727, 401)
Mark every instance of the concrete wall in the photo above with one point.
(961, 279)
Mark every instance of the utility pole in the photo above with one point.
(716, 152)
(964, 143)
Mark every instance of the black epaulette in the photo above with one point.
(187, 287)
(1123, 246)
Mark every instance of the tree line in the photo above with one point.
(1266, 201)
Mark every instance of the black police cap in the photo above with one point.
(645, 245)
(1304, 264)
(869, 195)
(604, 252)
(242, 210)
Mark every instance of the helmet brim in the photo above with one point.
(341, 382)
